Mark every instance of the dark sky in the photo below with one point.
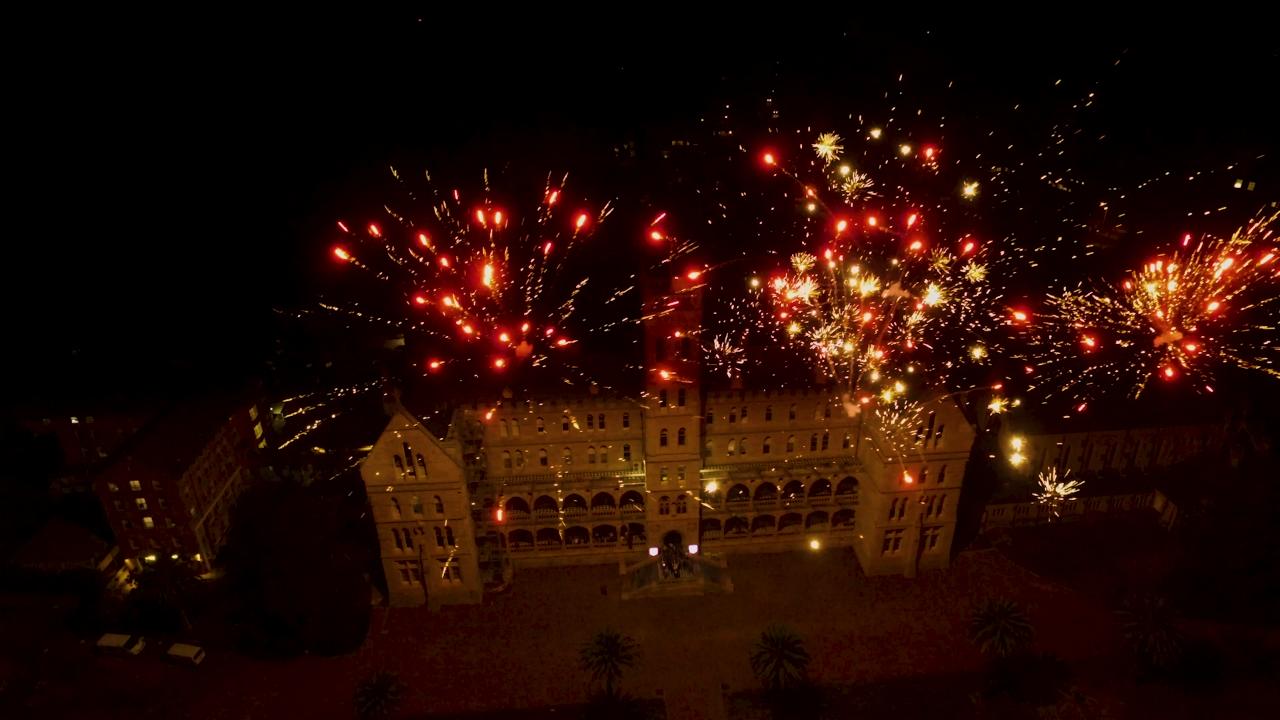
(177, 174)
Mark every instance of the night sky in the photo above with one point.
(179, 177)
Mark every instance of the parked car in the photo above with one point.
(120, 644)
(185, 654)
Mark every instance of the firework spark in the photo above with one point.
(1055, 491)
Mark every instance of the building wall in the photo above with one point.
(1101, 450)
(418, 495)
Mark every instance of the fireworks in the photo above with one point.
(1055, 491)
(1184, 314)
(487, 288)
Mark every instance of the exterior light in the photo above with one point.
(815, 544)
(653, 552)
(693, 549)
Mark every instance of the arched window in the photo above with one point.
(448, 537)
(710, 417)
(791, 443)
(519, 458)
(600, 421)
(626, 452)
(502, 428)
(626, 419)
(711, 447)
(682, 504)
(422, 464)
(847, 442)
(664, 505)
(541, 425)
(591, 453)
(591, 421)
(439, 538)
(937, 436)
(733, 416)
(924, 474)
(515, 428)
(417, 506)
(768, 413)
(744, 413)
(742, 446)
(942, 474)
(663, 475)
(813, 442)
(506, 459)
(542, 457)
(791, 414)
(439, 505)
(564, 422)
(817, 412)
(680, 436)
(662, 398)
(395, 532)
(826, 410)
(765, 446)
(566, 456)
(399, 465)
(395, 508)
(408, 459)
(662, 437)
(733, 447)
(680, 397)
(826, 439)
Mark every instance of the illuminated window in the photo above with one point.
(135, 486)
(663, 475)
(257, 430)
(733, 448)
(169, 523)
(75, 420)
(113, 487)
(141, 503)
(147, 522)
(253, 413)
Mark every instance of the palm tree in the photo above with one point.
(999, 628)
(779, 659)
(606, 655)
(1149, 626)
(378, 696)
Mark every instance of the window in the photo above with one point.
(680, 473)
(135, 486)
(847, 442)
(591, 453)
(147, 522)
(169, 523)
(542, 457)
(662, 437)
(733, 416)
(564, 423)
(541, 425)
(405, 577)
(742, 446)
(764, 447)
(519, 458)
(826, 411)
(626, 452)
(711, 447)
(408, 458)
(417, 506)
(663, 475)
(155, 484)
(257, 431)
(826, 439)
(626, 420)
(897, 508)
(744, 413)
(113, 487)
(664, 505)
(682, 504)
(711, 417)
(506, 459)
(733, 447)
(813, 442)
(448, 536)
(662, 398)
(141, 503)
(791, 414)
(439, 537)
(892, 542)
(791, 443)
(929, 537)
(933, 417)
(600, 421)
(924, 474)
(253, 414)
(680, 397)
(817, 412)
(408, 537)
(395, 507)
(942, 474)
(937, 437)
(768, 413)
(164, 505)
(395, 532)
(591, 421)
(566, 456)
(680, 436)
(127, 525)
(502, 428)
(439, 505)
(399, 465)
(119, 505)
(451, 570)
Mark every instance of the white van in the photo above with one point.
(186, 654)
(121, 644)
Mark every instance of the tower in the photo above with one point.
(673, 410)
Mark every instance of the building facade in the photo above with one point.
(170, 491)
(597, 479)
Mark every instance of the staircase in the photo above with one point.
(703, 574)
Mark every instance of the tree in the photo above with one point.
(1149, 627)
(164, 592)
(605, 656)
(779, 659)
(1000, 629)
(378, 696)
